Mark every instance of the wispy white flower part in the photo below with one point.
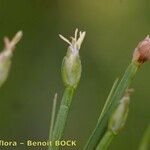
(80, 39)
(10, 45)
(76, 41)
(65, 39)
(6, 54)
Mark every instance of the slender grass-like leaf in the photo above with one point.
(109, 98)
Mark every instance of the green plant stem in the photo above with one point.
(106, 140)
(108, 101)
(145, 143)
(101, 126)
(62, 116)
(53, 116)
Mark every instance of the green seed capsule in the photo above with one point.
(71, 65)
(71, 69)
(119, 116)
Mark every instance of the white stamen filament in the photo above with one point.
(76, 42)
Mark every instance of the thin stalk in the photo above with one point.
(101, 126)
(145, 143)
(53, 116)
(108, 101)
(62, 116)
(71, 72)
(106, 140)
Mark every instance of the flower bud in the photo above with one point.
(142, 51)
(119, 116)
(6, 54)
(71, 65)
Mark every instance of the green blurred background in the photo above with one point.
(114, 27)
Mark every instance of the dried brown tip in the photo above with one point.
(142, 51)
